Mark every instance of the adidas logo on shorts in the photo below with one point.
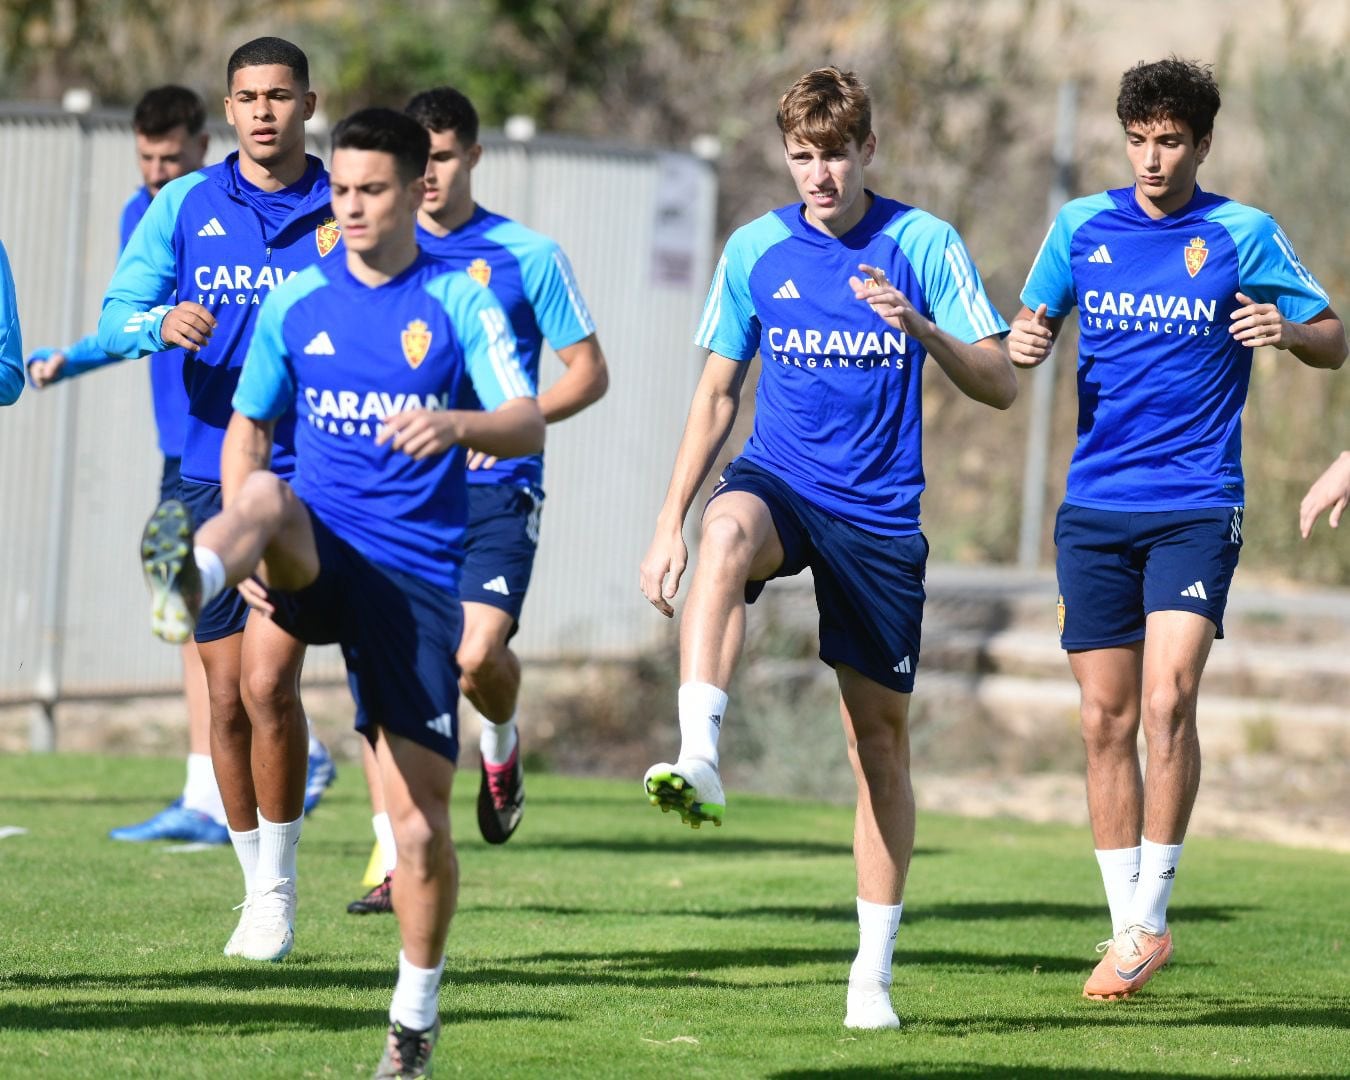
(1196, 591)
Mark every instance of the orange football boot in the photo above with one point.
(1132, 957)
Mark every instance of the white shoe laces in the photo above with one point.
(269, 906)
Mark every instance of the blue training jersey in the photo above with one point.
(838, 409)
(341, 356)
(212, 238)
(1161, 380)
(11, 341)
(534, 281)
(167, 391)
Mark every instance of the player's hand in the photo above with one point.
(890, 304)
(1030, 340)
(662, 569)
(420, 433)
(480, 460)
(187, 325)
(45, 372)
(1256, 324)
(1330, 491)
(255, 595)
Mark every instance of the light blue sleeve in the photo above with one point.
(1269, 270)
(267, 385)
(550, 285)
(952, 287)
(486, 337)
(81, 358)
(1050, 281)
(142, 289)
(11, 339)
(729, 326)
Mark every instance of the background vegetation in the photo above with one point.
(965, 98)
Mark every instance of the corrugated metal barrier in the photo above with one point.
(78, 463)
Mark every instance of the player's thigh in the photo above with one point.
(740, 524)
(486, 630)
(291, 559)
(415, 779)
(1110, 681)
(873, 714)
(1191, 558)
(1101, 580)
(271, 657)
(1175, 652)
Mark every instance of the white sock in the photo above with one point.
(878, 925)
(1157, 873)
(200, 791)
(245, 846)
(384, 836)
(497, 741)
(1120, 871)
(416, 997)
(212, 572)
(702, 709)
(277, 842)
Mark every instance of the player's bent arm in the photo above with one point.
(981, 370)
(582, 384)
(247, 448)
(712, 412)
(513, 429)
(1319, 342)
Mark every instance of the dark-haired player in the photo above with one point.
(372, 354)
(1174, 287)
(211, 246)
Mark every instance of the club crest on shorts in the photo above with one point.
(326, 236)
(1059, 614)
(480, 271)
(1196, 254)
(416, 343)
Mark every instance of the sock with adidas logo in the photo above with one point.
(1120, 872)
(878, 925)
(702, 709)
(1157, 873)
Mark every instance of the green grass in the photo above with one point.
(606, 940)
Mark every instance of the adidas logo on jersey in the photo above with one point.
(497, 585)
(1101, 255)
(320, 345)
(212, 228)
(442, 725)
(787, 291)
(904, 667)
(1196, 591)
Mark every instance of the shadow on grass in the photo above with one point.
(243, 1018)
(974, 912)
(681, 842)
(946, 1070)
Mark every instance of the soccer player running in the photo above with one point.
(1175, 286)
(364, 546)
(11, 340)
(844, 295)
(210, 247)
(169, 128)
(533, 279)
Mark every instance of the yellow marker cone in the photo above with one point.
(374, 868)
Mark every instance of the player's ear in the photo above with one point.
(1202, 148)
(474, 155)
(869, 148)
(311, 100)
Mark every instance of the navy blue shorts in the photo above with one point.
(1115, 568)
(499, 545)
(869, 587)
(228, 612)
(168, 478)
(399, 634)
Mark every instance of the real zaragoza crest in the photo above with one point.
(1059, 614)
(480, 271)
(326, 236)
(1196, 254)
(416, 342)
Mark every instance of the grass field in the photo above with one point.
(606, 940)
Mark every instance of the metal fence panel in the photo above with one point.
(79, 467)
